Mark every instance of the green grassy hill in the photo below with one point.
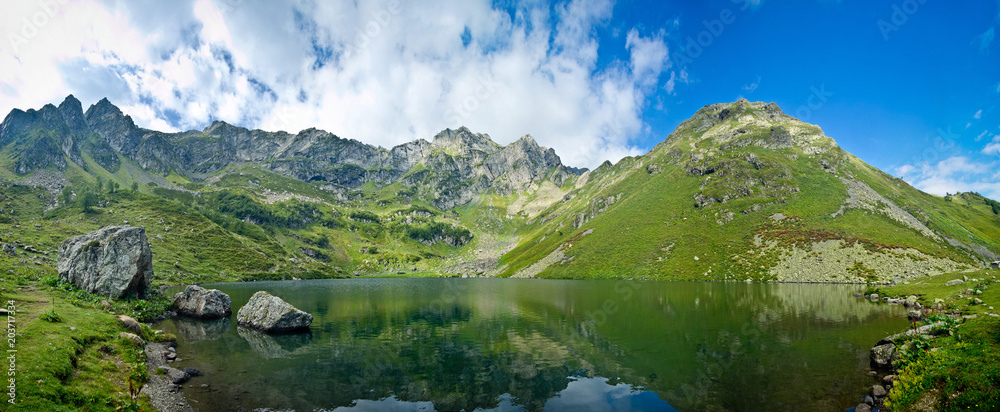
(739, 191)
(743, 191)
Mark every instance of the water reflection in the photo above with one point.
(273, 346)
(544, 345)
(195, 330)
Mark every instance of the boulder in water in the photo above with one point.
(270, 314)
(198, 302)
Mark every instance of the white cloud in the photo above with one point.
(752, 87)
(993, 147)
(649, 57)
(369, 71)
(978, 115)
(952, 175)
(985, 39)
(982, 135)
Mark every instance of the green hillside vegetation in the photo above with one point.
(739, 191)
(697, 208)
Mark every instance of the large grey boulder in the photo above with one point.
(198, 302)
(113, 262)
(882, 355)
(270, 314)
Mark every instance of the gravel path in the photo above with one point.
(158, 387)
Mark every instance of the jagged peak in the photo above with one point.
(71, 102)
(462, 139)
(527, 140)
(103, 106)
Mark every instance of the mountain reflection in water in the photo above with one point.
(541, 345)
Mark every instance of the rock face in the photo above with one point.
(198, 302)
(112, 262)
(270, 314)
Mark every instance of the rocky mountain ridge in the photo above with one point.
(452, 169)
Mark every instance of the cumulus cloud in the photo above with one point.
(993, 147)
(383, 72)
(952, 175)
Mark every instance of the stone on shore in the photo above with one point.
(131, 324)
(132, 337)
(881, 356)
(270, 314)
(113, 262)
(198, 302)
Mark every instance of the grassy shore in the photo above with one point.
(69, 356)
(959, 371)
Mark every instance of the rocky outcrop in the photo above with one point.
(114, 262)
(198, 302)
(271, 314)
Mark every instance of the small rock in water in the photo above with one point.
(869, 400)
(878, 391)
(862, 407)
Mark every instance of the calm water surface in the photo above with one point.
(540, 345)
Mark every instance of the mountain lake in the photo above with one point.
(539, 345)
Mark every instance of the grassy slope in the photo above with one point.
(655, 231)
(958, 372)
(76, 364)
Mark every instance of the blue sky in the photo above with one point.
(910, 86)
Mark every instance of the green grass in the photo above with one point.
(75, 364)
(957, 372)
